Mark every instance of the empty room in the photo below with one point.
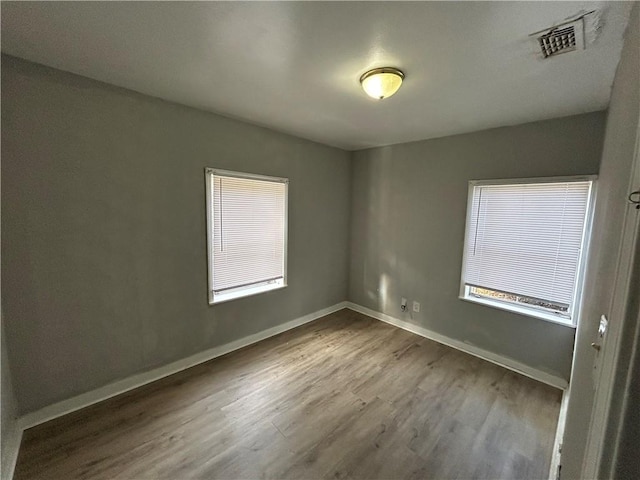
(306, 240)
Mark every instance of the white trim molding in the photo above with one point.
(619, 315)
(505, 362)
(556, 454)
(130, 383)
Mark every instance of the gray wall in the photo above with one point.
(611, 204)
(408, 218)
(103, 214)
(9, 426)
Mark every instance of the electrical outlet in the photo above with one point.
(416, 306)
(403, 304)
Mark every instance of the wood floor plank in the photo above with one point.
(344, 397)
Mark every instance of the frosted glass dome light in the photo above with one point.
(381, 83)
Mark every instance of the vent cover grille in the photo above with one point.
(558, 41)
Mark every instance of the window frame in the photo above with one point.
(522, 309)
(236, 293)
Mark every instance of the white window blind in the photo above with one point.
(248, 230)
(527, 239)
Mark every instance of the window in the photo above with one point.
(246, 234)
(524, 245)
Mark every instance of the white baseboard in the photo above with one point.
(506, 362)
(94, 396)
(557, 444)
(89, 398)
(10, 450)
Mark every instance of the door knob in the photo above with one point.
(595, 346)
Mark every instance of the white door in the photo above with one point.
(607, 340)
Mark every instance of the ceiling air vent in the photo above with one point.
(557, 41)
(569, 35)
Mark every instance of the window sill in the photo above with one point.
(247, 292)
(547, 317)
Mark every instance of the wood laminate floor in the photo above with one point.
(344, 397)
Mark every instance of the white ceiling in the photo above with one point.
(294, 66)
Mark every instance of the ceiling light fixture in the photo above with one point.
(382, 82)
